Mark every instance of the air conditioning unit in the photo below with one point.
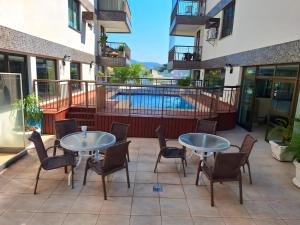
(212, 34)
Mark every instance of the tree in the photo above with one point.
(134, 71)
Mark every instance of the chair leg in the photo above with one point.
(244, 169)
(54, 150)
(182, 161)
(158, 159)
(212, 193)
(66, 169)
(85, 173)
(104, 187)
(185, 162)
(127, 174)
(128, 159)
(72, 177)
(198, 172)
(249, 171)
(241, 189)
(37, 179)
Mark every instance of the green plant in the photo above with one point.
(121, 48)
(294, 145)
(184, 82)
(281, 134)
(103, 38)
(32, 111)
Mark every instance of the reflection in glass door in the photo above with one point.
(245, 115)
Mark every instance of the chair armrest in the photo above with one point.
(54, 146)
(236, 146)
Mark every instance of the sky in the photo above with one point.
(149, 40)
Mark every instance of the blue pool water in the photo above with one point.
(148, 101)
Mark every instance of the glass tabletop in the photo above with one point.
(91, 141)
(204, 142)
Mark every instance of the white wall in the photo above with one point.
(87, 72)
(32, 72)
(257, 24)
(47, 20)
(234, 78)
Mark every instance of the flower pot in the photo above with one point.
(279, 152)
(296, 180)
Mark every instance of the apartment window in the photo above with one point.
(46, 69)
(74, 14)
(214, 78)
(75, 71)
(228, 19)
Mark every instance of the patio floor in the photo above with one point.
(272, 199)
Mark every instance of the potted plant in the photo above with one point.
(103, 39)
(294, 149)
(279, 139)
(121, 50)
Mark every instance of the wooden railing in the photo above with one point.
(114, 49)
(137, 100)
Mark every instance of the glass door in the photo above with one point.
(245, 114)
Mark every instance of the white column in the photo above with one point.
(63, 70)
(32, 72)
(234, 78)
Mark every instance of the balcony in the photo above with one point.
(185, 57)
(187, 16)
(114, 16)
(113, 54)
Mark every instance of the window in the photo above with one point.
(74, 14)
(46, 69)
(228, 18)
(214, 78)
(75, 71)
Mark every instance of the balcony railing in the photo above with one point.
(188, 8)
(126, 99)
(115, 5)
(185, 53)
(114, 50)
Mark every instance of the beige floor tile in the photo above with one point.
(168, 167)
(145, 167)
(145, 206)
(208, 221)
(188, 179)
(174, 207)
(87, 204)
(92, 188)
(117, 206)
(287, 209)
(80, 219)
(64, 189)
(47, 186)
(147, 158)
(270, 221)
(144, 190)
(168, 178)
(232, 209)
(113, 220)
(172, 191)
(28, 202)
(260, 209)
(6, 201)
(47, 219)
(198, 192)
(145, 220)
(292, 222)
(239, 221)
(15, 218)
(175, 220)
(120, 189)
(18, 186)
(120, 176)
(58, 204)
(199, 207)
(145, 177)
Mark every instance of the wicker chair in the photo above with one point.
(114, 160)
(50, 163)
(120, 130)
(208, 127)
(225, 167)
(169, 152)
(246, 148)
(63, 128)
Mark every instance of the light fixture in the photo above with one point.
(66, 58)
(228, 65)
(92, 63)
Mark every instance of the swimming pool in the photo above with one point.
(149, 101)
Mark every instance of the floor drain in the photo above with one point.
(157, 188)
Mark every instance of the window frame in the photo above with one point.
(71, 5)
(227, 22)
(55, 65)
(79, 70)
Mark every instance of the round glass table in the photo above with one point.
(84, 142)
(201, 143)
